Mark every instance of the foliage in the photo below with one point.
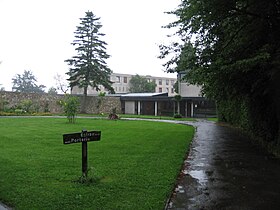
(20, 112)
(26, 83)
(135, 164)
(139, 84)
(26, 108)
(100, 99)
(88, 67)
(61, 84)
(26, 105)
(70, 105)
(177, 115)
(176, 87)
(232, 49)
(46, 107)
(113, 115)
(3, 104)
(178, 97)
(52, 91)
(102, 94)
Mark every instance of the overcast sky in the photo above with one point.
(36, 35)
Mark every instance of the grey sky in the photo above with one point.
(36, 35)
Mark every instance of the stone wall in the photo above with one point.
(105, 104)
(48, 102)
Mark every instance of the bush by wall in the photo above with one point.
(256, 117)
(43, 102)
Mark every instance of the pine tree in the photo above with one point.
(88, 67)
(26, 83)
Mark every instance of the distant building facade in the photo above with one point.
(121, 85)
(193, 104)
(187, 90)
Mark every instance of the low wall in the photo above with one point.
(48, 102)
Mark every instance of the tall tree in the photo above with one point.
(26, 83)
(88, 67)
(236, 58)
(139, 84)
(61, 83)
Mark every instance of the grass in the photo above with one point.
(156, 117)
(214, 119)
(134, 165)
(101, 116)
(139, 116)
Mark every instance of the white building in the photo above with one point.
(193, 104)
(121, 85)
(187, 90)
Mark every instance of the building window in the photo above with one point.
(124, 79)
(172, 90)
(118, 79)
(160, 90)
(167, 82)
(172, 82)
(160, 82)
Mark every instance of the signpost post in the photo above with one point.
(83, 137)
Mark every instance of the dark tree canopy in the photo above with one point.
(88, 67)
(233, 43)
(232, 49)
(26, 83)
(139, 84)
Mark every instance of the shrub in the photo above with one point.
(19, 111)
(3, 104)
(100, 99)
(113, 115)
(26, 105)
(70, 105)
(177, 116)
(46, 107)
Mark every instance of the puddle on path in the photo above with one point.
(200, 175)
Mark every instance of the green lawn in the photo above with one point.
(134, 166)
(156, 117)
(214, 119)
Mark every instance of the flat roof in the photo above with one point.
(144, 94)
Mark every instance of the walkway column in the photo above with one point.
(156, 108)
(139, 108)
(192, 109)
(186, 109)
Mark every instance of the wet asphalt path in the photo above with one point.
(224, 171)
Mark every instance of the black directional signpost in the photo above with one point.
(83, 137)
